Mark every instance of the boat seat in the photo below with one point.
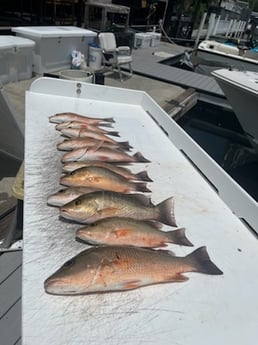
(115, 56)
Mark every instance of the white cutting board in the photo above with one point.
(204, 310)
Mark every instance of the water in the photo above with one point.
(219, 133)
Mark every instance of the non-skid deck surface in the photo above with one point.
(10, 298)
(145, 62)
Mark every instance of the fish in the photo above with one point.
(68, 117)
(102, 178)
(103, 204)
(63, 196)
(130, 232)
(126, 173)
(84, 133)
(121, 268)
(78, 143)
(77, 124)
(102, 154)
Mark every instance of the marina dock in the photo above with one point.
(147, 62)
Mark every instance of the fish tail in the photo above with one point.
(178, 237)
(167, 212)
(125, 145)
(108, 119)
(138, 157)
(201, 262)
(141, 187)
(105, 124)
(143, 176)
(113, 133)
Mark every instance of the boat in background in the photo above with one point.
(241, 90)
(240, 57)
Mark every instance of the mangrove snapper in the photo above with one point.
(126, 173)
(78, 143)
(119, 268)
(102, 204)
(130, 232)
(68, 117)
(102, 178)
(84, 133)
(102, 154)
(77, 124)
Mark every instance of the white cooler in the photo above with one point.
(142, 40)
(15, 58)
(54, 45)
(155, 39)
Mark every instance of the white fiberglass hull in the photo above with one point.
(241, 90)
(231, 56)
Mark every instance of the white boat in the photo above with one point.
(230, 55)
(241, 90)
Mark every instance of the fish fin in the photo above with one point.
(168, 252)
(166, 212)
(80, 133)
(113, 133)
(143, 176)
(134, 284)
(97, 146)
(84, 151)
(141, 187)
(108, 119)
(104, 213)
(157, 225)
(178, 237)
(125, 145)
(179, 277)
(200, 261)
(138, 157)
(105, 124)
(145, 200)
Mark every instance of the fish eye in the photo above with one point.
(78, 202)
(69, 263)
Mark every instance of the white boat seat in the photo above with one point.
(116, 56)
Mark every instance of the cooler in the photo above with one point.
(15, 58)
(54, 45)
(142, 40)
(155, 39)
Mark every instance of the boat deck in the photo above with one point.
(10, 298)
